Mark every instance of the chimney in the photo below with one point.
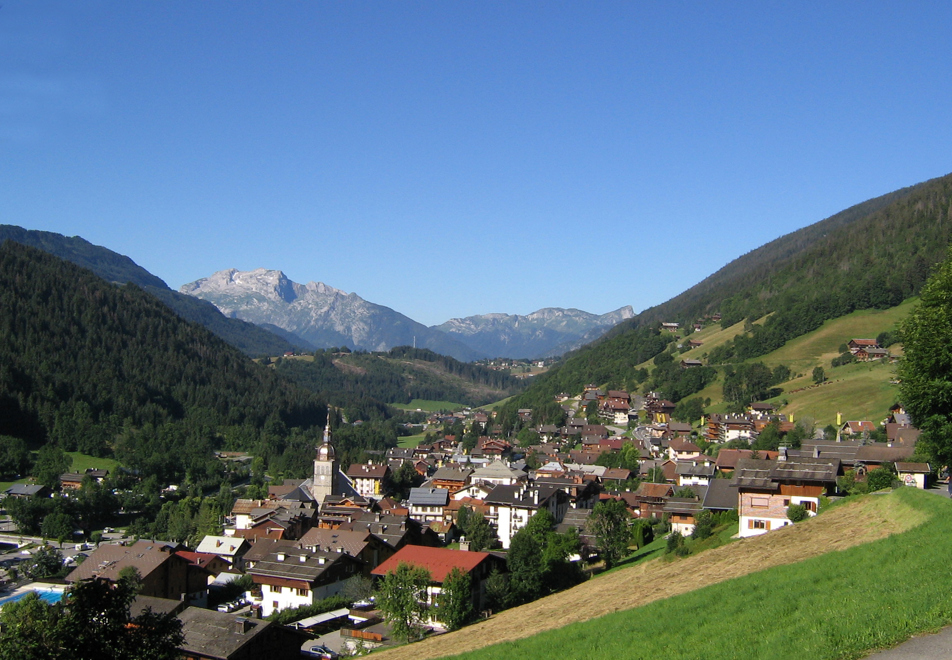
(816, 451)
(280, 556)
(303, 558)
(243, 625)
(321, 560)
(535, 497)
(783, 454)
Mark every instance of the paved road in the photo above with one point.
(926, 647)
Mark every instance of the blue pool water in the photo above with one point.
(49, 596)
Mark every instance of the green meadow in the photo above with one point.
(842, 604)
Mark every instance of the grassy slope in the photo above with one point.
(859, 391)
(864, 575)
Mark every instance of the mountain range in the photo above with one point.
(322, 317)
(261, 312)
(547, 332)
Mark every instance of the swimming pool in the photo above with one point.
(49, 595)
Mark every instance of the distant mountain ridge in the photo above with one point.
(319, 314)
(120, 269)
(547, 332)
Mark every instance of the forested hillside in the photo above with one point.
(400, 375)
(119, 269)
(873, 255)
(105, 369)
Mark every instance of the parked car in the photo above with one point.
(321, 651)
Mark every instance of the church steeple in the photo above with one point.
(325, 466)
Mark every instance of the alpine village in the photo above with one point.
(770, 445)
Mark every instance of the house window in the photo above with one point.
(277, 590)
(760, 501)
(757, 524)
(302, 592)
(810, 506)
(786, 502)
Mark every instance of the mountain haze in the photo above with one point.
(543, 333)
(320, 314)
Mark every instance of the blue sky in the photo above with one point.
(448, 159)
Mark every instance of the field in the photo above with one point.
(863, 575)
(858, 391)
(83, 462)
(429, 406)
(411, 441)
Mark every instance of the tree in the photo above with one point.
(47, 561)
(675, 543)
(51, 462)
(609, 524)
(497, 590)
(454, 605)
(818, 375)
(769, 438)
(14, 457)
(642, 534)
(402, 597)
(479, 533)
(524, 561)
(405, 478)
(358, 588)
(527, 437)
(925, 371)
(703, 525)
(880, 478)
(57, 525)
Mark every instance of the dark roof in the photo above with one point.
(521, 495)
(720, 496)
(217, 634)
(690, 469)
(25, 489)
(108, 560)
(157, 605)
(428, 496)
(350, 542)
(880, 453)
(767, 475)
(367, 471)
(297, 564)
(682, 505)
(452, 474)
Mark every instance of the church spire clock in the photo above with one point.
(325, 466)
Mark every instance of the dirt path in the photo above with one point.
(834, 530)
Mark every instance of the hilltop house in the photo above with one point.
(765, 489)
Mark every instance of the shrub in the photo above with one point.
(675, 541)
(796, 512)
